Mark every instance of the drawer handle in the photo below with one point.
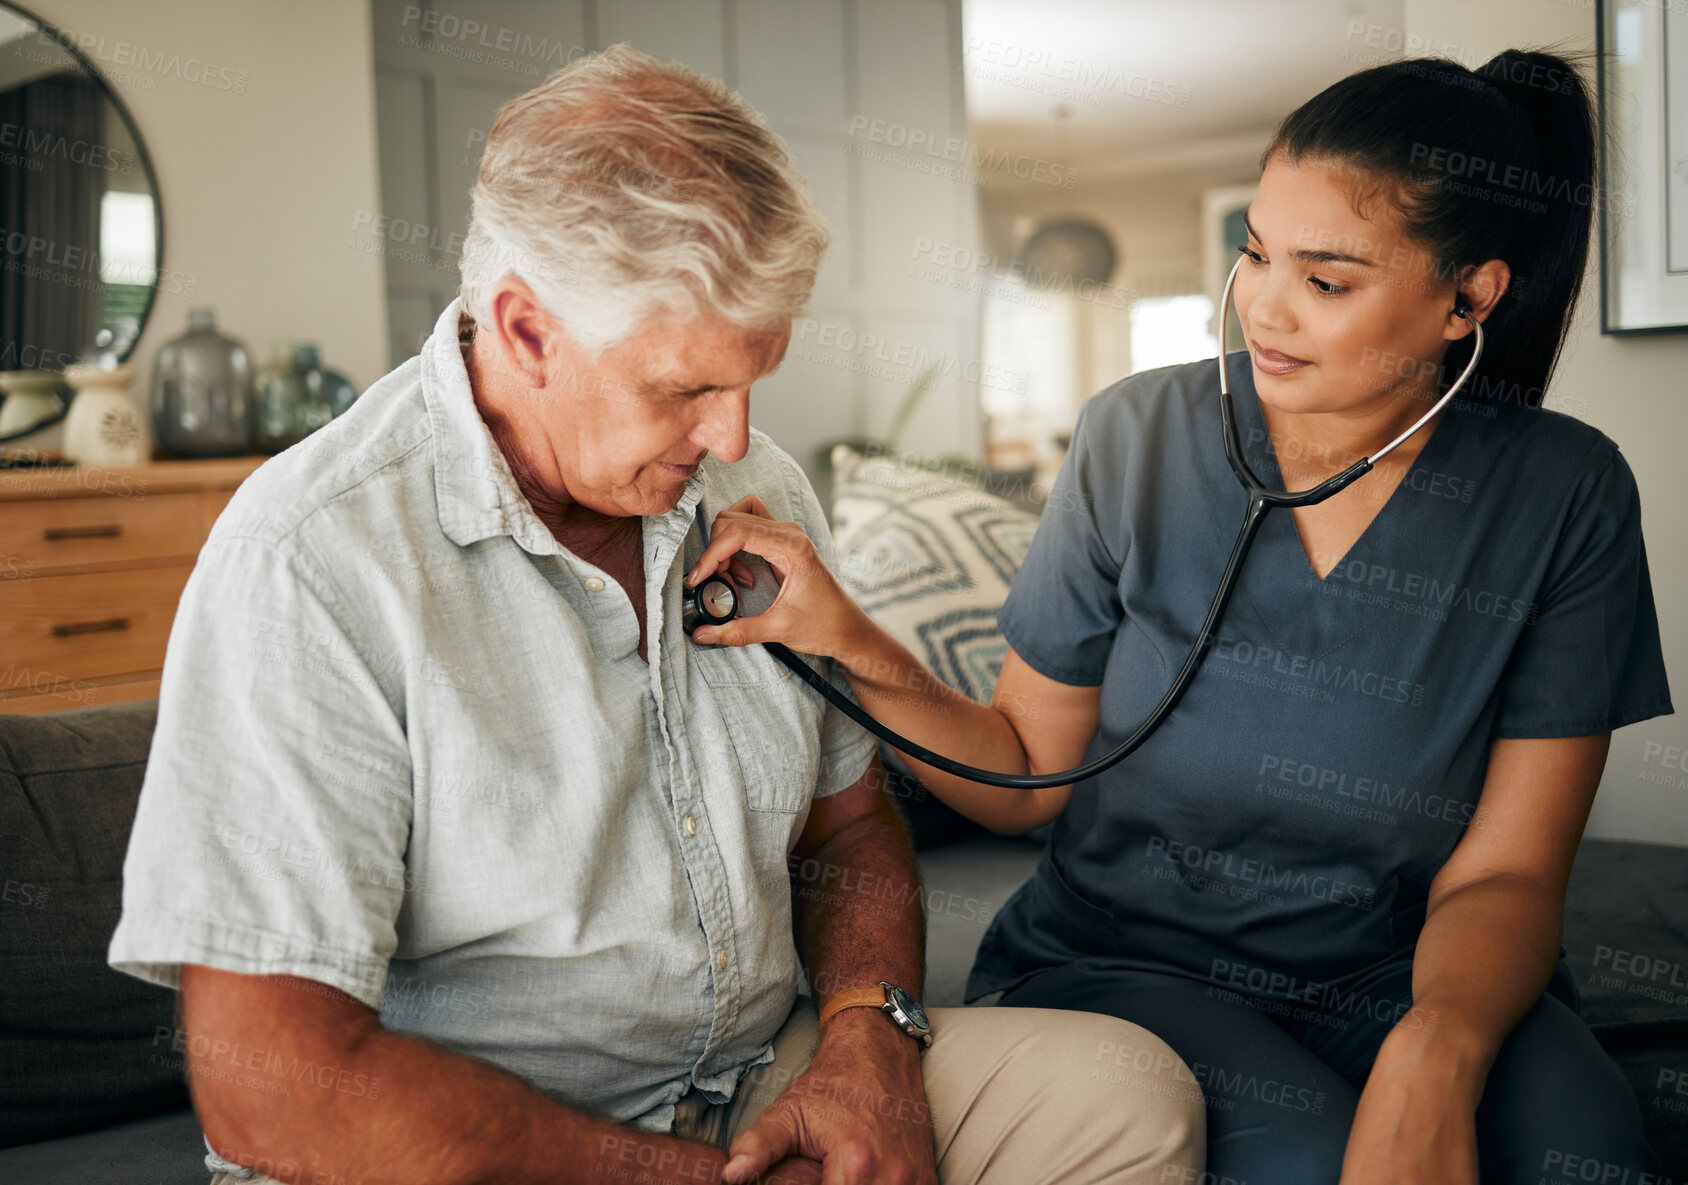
(104, 531)
(91, 627)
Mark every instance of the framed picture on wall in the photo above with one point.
(1643, 88)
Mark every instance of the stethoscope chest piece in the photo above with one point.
(713, 602)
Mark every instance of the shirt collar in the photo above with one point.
(477, 494)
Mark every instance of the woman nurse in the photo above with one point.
(1333, 881)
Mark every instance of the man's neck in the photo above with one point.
(533, 463)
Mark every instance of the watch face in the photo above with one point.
(910, 1007)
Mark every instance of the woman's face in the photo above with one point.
(1343, 313)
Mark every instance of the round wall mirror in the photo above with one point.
(81, 226)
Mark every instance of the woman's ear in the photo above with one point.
(1481, 289)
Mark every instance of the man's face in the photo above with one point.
(628, 429)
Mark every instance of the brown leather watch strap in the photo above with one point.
(857, 997)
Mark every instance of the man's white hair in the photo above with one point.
(625, 187)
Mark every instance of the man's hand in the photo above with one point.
(860, 1109)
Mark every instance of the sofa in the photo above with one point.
(91, 1092)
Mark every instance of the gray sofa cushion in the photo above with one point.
(77, 1048)
(1626, 938)
(163, 1149)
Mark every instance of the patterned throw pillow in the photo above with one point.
(930, 557)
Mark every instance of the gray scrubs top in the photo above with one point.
(1284, 824)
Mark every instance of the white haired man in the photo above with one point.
(468, 866)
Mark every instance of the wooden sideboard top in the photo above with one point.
(87, 481)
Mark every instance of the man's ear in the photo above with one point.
(522, 329)
(1482, 287)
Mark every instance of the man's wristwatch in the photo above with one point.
(903, 1009)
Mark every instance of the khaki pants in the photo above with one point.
(1018, 1096)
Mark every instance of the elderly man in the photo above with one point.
(468, 864)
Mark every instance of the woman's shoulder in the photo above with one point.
(1554, 435)
(1549, 452)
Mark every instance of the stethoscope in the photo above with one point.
(717, 600)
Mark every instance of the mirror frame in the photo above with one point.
(51, 30)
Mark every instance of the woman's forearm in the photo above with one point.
(1485, 954)
(894, 687)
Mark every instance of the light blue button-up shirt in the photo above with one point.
(406, 746)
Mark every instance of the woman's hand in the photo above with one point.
(811, 613)
(1416, 1123)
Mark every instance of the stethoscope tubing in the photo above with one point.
(1261, 500)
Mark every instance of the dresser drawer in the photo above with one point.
(55, 630)
(39, 536)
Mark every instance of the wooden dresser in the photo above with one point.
(92, 563)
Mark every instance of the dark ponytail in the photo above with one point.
(1491, 163)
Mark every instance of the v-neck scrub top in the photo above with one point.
(1282, 827)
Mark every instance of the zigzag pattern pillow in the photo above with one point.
(930, 557)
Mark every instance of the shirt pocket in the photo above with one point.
(771, 719)
(737, 666)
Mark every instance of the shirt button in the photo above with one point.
(721, 961)
(691, 825)
(594, 584)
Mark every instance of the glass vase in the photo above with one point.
(297, 400)
(202, 392)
